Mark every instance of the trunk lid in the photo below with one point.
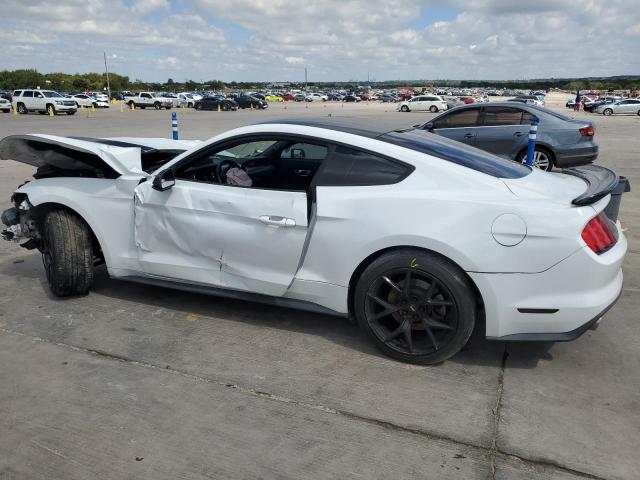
(576, 186)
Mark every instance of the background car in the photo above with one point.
(273, 98)
(212, 103)
(351, 98)
(84, 100)
(628, 106)
(502, 128)
(431, 103)
(249, 101)
(5, 105)
(288, 97)
(42, 101)
(6, 95)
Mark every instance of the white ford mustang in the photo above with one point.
(417, 237)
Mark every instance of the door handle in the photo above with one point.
(517, 134)
(277, 221)
(469, 135)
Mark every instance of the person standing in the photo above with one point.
(576, 105)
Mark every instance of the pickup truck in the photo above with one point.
(147, 99)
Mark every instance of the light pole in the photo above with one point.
(107, 71)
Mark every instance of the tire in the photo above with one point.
(433, 109)
(434, 312)
(67, 253)
(639, 113)
(22, 109)
(49, 106)
(94, 105)
(404, 108)
(168, 108)
(132, 105)
(607, 112)
(541, 156)
(225, 107)
(157, 106)
(189, 105)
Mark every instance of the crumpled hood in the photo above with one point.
(119, 157)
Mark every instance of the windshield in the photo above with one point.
(49, 94)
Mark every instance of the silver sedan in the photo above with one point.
(628, 106)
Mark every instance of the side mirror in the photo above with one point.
(164, 180)
(428, 126)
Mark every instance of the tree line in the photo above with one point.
(65, 82)
(78, 82)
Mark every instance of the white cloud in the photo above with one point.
(294, 60)
(335, 39)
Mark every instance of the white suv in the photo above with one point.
(41, 101)
(432, 103)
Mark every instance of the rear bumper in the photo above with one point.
(558, 304)
(576, 156)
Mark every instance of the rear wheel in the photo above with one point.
(607, 112)
(67, 253)
(416, 306)
(225, 107)
(157, 105)
(132, 105)
(542, 159)
(404, 108)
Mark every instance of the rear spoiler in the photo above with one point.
(600, 182)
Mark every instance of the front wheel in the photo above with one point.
(157, 106)
(433, 109)
(67, 253)
(22, 109)
(416, 306)
(404, 108)
(607, 112)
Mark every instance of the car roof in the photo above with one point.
(414, 139)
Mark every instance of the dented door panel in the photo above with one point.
(214, 235)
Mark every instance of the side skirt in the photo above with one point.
(234, 294)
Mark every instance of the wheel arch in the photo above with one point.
(357, 273)
(40, 211)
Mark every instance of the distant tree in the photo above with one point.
(170, 81)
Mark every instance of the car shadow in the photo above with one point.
(478, 351)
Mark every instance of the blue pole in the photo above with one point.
(533, 135)
(174, 125)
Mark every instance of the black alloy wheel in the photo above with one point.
(416, 306)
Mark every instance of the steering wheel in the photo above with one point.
(223, 167)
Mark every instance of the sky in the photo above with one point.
(336, 40)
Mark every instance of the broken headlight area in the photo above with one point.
(20, 225)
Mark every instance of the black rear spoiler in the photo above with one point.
(600, 182)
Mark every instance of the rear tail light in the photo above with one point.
(599, 234)
(587, 131)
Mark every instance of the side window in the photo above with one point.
(37, 95)
(28, 94)
(462, 118)
(526, 118)
(17, 93)
(496, 116)
(348, 166)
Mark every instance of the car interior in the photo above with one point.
(270, 164)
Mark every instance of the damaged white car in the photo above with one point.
(418, 237)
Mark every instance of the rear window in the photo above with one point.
(497, 116)
(457, 153)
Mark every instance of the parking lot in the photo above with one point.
(133, 381)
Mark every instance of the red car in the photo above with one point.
(287, 96)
